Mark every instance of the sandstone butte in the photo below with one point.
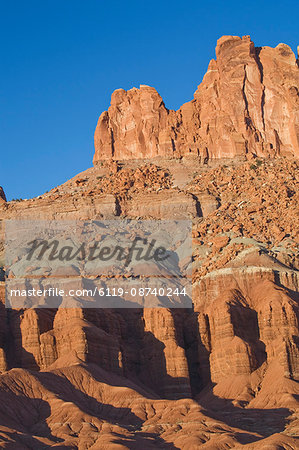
(225, 373)
(247, 104)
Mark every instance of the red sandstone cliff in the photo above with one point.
(247, 104)
(223, 374)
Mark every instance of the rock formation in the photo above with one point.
(247, 104)
(235, 355)
(2, 195)
(225, 373)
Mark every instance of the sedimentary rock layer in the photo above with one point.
(224, 373)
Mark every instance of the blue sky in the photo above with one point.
(61, 60)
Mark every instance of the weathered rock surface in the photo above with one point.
(223, 374)
(74, 407)
(236, 354)
(247, 104)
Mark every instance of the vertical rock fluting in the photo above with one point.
(173, 353)
(247, 104)
(164, 360)
(245, 324)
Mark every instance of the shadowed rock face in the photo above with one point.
(2, 195)
(247, 104)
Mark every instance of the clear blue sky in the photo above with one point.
(61, 60)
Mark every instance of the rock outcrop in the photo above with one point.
(247, 104)
(2, 195)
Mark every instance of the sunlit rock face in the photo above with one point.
(247, 104)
